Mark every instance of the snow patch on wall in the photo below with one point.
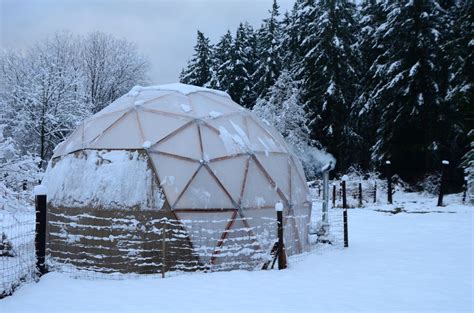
(108, 179)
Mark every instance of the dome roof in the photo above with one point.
(208, 152)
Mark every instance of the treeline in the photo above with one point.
(385, 80)
(48, 89)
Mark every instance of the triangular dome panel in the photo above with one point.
(173, 104)
(277, 164)
(124, 133)
(258, 192)
(185, 142)
(156, 126)
(208, 107)
(204, 192)
(205, 230)
(298, 186)
(174, 174)
(231, 173)
(260, 139)
(263, 223)
(96, 126)
(239, 248)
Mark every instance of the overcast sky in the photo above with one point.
(165, 31)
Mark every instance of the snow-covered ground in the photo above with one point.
(419, 260)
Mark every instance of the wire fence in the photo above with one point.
(358, 192)
(17, 248)
(126, 247)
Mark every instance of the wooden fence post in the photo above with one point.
(40, 229)
(163, 247)
(375, 191)
(282, 264)
(344, 213)
(344, 198)
(389, 181)
(333, 195)
(360, 194)
(442, 185)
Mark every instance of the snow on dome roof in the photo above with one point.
(177, 87)
(156, 113)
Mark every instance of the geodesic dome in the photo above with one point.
(182, 152)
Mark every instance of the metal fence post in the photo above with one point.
(281, 248)
(40, 229)
(442, 185)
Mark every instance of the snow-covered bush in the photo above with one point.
(17, 171)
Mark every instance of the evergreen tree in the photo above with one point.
(269, 44)
(243, 59)
(222, 62)
(366, 113)
(283, 109)
(329, 75)
(458, 111)
(468, 164)
(198, 71)
(407, 89)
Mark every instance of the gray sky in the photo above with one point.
(165, 31)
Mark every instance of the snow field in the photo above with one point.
(406, 262)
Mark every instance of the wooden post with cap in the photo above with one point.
(442, 185)
(344, 213)
(282, 263)
(40, 192)
(389, 181)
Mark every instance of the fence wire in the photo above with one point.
(17, 249)
(124, 248)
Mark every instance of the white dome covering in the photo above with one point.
(213, 159)
(199, 133)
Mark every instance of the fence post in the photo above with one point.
(40, 229)
(360, 194)
(442, 185)
(344, 213)
(333, 195)
(163, 248)
(375, 191)
(389, 181)
(344, 198)
(464, 194)
(281, 248)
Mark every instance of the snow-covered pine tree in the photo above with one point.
(468, 165)
(269, 52)
(283, 109)
(407, 91)
(457, 64)
(198, 71)
(243, 60)
(222, 63)
(365, 111)
(329, 75)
